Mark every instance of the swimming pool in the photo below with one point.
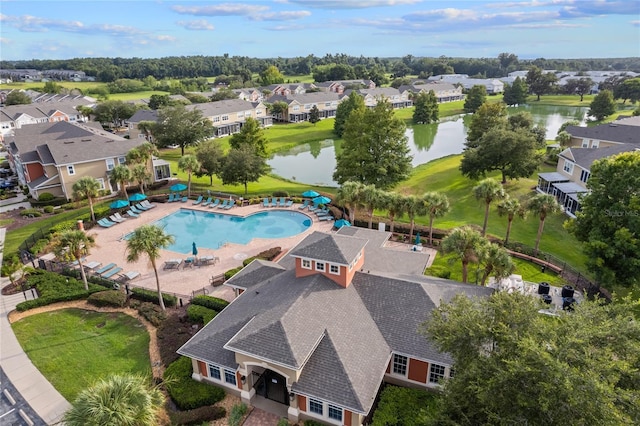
(212, 230)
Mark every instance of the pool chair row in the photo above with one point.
(213, 204)
(275, 202)
(190, 262)
(112, 271)
(175, 198)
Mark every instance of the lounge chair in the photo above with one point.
(283, 201)
(128, 276)
(147, 204)
(117, 219)
(214, 204)
(141, 207)
(171, 198)
(105, 224)
(111, 272)
(231, 204)
(304, 205)
(198, 201)
(105, 268)
(136, 210)
(313, 208)
(274, 202)
(172, 264)
(224, 204)
(321, 212)
(189, 262)
(117, 216)
(132, 214)
(206, 203)
(207, 260)
(265, 202)
(92, 265)
(289, 203)
(185, 199)
(327, 217)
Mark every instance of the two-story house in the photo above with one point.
(396, 97)
(322, 329)
(15, 116)
(625, 130)
(444, 92)
(299, 106)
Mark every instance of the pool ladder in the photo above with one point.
(222, 244)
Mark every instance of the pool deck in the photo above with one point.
(111, 248)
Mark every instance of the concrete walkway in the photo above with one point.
(43, 398)
(14, 203)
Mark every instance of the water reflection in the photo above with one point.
(315, 162)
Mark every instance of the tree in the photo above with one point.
(177, 125)
(437, 205)
(314, 115)
(120, 400)
(475, 98)
(52, 87)
(375, 149)
(140, 174)
(209, 154)
(353, 102)
(392, 201)
(121, 175)
(190, 165)
(159, 101)
(114, 112)
(350, 196)
(510, 207)
(413, 206)
(149, 240)
(513, 153)
(495, 261)
(628, 89)
(580, 86)
(563, 139)
(542, 205)
(371, 198)
(514, 366)
(466, 244)
(271, 75)
(507, 59)
(89, 188)
(540, 83)
(75, 243)
(608, 222)
(488, 191)
(486, 117)
(243, 165)
(147, 127)
(516, 93)
(280, 110)
(602, 105)
(17, 97)
(426, 110)
(252, 135)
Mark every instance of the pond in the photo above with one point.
(314, 163)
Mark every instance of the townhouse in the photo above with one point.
(299, 106)
(321, 330)
(493, 85)
(445, 92)
(16, 116)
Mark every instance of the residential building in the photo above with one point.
(445, 92)
(287, 89)
(26, 75)
(16, 116)
(397, 98)
(300, 105)
(618, 132)
(320, 331)
(51, 157)
(341, 86)
(493, 85)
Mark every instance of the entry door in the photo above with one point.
(276, 387)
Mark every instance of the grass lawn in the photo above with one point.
(73, 348)
(529, 271)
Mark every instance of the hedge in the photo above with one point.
(152, 296)
(54, 288)
(187, 393)
(210, 302)
(151, 312)
(237, 413)
(197, 416)
(405, 406)
(231, 272)
(108, 298)
(31, 212)
(200, 314)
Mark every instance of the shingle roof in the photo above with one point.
(144, 115)
(331, 248)
(584, 157)
(257, 271)
(607, 132)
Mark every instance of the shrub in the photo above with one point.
(210, 302)
(231, 272)
(108, 298)
(185, 392)
(200, 314)
(46, 196)
(54, 288)
(312, 423)
(152, 313)
(48, 209)
(405, 406)
(67, 225)
(280, 194)
(197, 416)
(439, 271)
(68, 206)
(283, 422)
(39, 246)
(172, 334)
(152, 296)
(30, 213)
(269, 254)
(237, 413)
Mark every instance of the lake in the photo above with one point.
(314, 163)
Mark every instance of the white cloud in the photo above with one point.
(198, 25)
(352, 4)
(281, 16)
(224, 9)
(635, 23)
(4, 40)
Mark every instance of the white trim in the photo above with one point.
(71, 170)
(332, 265)
(324, 266)
(393, 365)
(303, 260)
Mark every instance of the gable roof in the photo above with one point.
(611, 132)
(584, 157)
(330, 248)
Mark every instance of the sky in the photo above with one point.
(530, 29)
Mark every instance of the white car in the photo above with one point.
(173, 146)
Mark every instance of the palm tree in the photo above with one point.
(488, 191)
(147, 128)
(542, 205)
(89, 188)
(120, 400)
(496, 261)
(413, 206)
(149, 239)
(437, 205)
(467, 244)
(510, 207)
(350, 196)
(371, 198)
(75, 243)
(393, 203)
(189, 164)
(121, 175)
(141, 175)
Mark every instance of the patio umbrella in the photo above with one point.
(418, 239)
(118, 204)
(322, 200)
(310, 193)
(341, 222)
(194, 249)
(178, 187)
(137, 197)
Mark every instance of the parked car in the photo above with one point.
(173, 146)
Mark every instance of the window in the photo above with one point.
(307, 106)
(595, 144)
(216, 119)
(319, 266)
(122, 160)
(327, 104)
(584, 176)
(71, 170)
(225, 118)
(101, 182)
(585, 143)
(335, 413)
(315, 406)
(230, 377)
(306, 264)
(296, 107)
(110, 163)
(568, 166)
(258, 112)
(214, 372)
(334, 269)
(400, 364)
(436, 372)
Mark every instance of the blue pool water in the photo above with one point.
(212, 229)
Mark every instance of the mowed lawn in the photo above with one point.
(73, 348)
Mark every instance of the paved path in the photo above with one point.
(260, 417)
